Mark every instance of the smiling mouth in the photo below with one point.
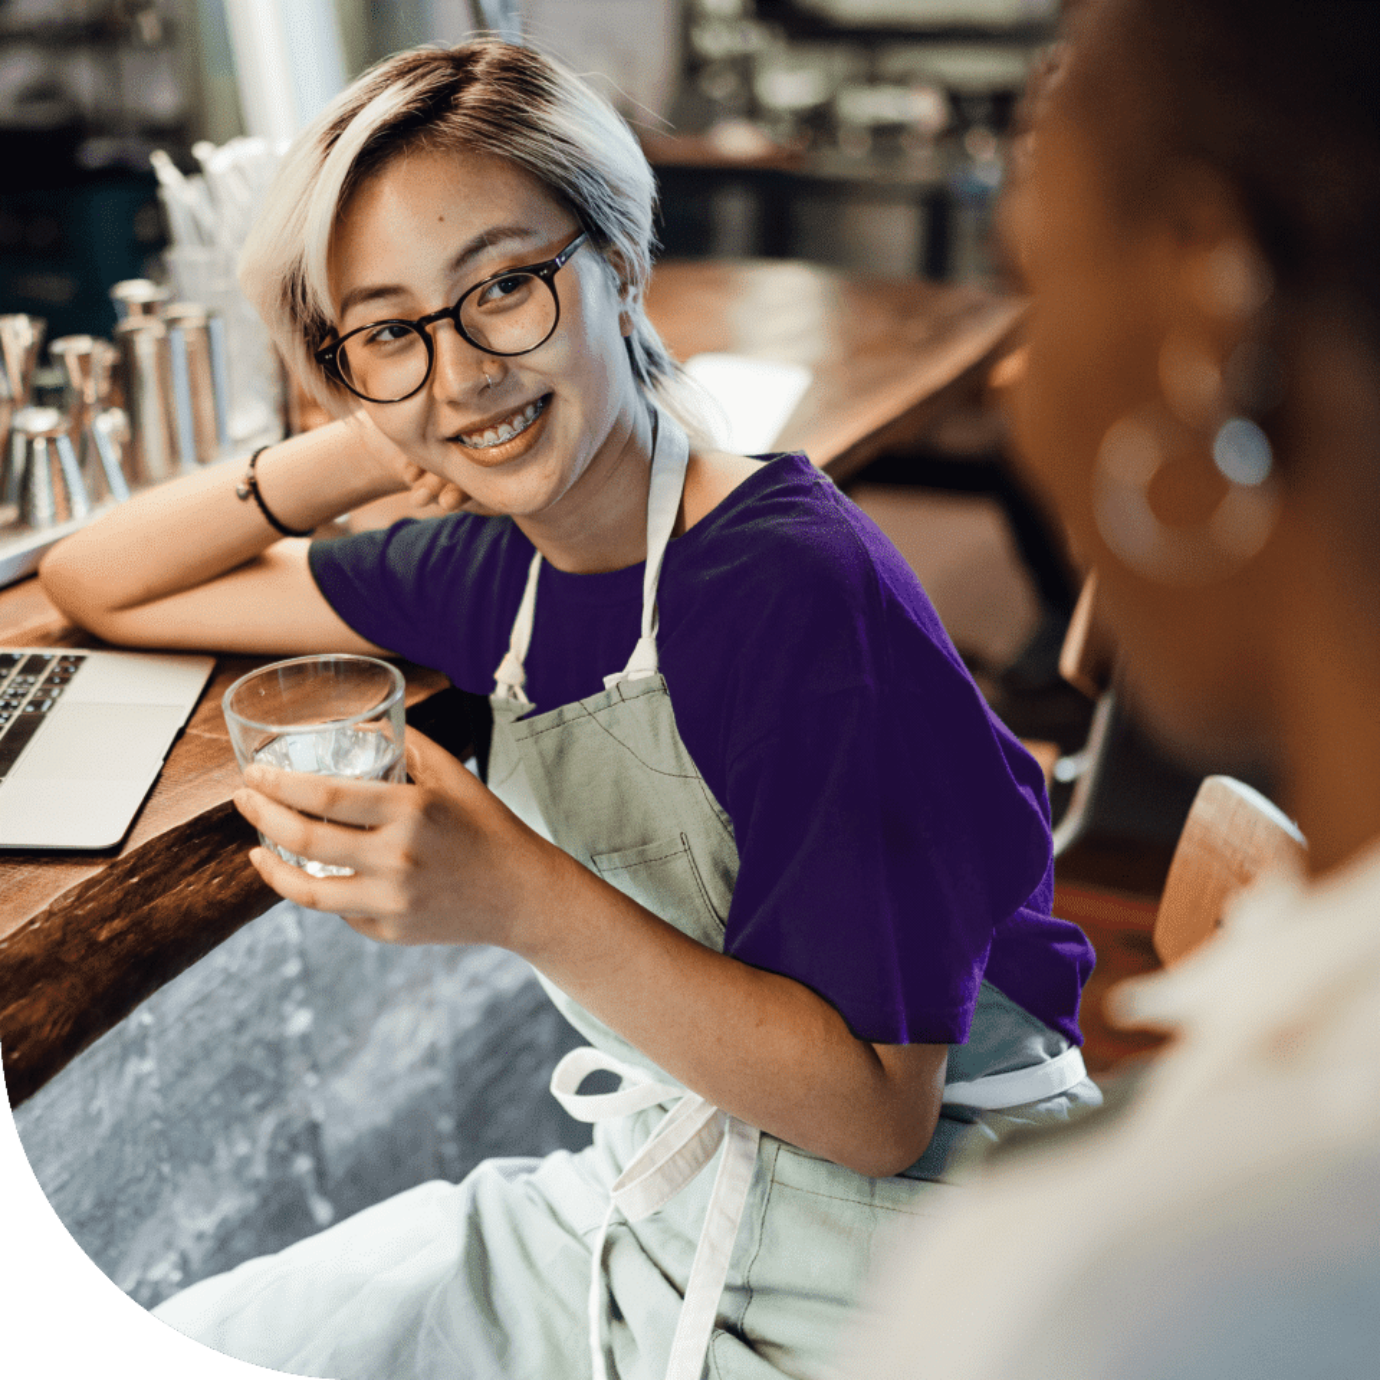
(505, 430)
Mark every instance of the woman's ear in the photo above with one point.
(628, 296)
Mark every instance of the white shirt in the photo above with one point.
(1227, 1225)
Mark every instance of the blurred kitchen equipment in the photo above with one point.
(146, 369)
(77, 356)
(135, 297)
(198, 386)
(50, 486)
(21, 338)
(102, 431)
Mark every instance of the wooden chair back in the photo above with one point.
(1087, 656)
(1233, 835)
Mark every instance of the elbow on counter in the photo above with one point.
(75, 584)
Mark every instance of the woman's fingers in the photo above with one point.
(429, 764)
(335, 895)
(357, 900)
(436, 862)
(433, 488)
(367, 804)
(318, 839)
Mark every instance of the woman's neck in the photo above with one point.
(600, 523)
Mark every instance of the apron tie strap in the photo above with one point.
(685, 1140)
(1019, 1086)
(670, 457)
(641, 664)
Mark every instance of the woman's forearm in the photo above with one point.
(189, 531)
(761, 1046)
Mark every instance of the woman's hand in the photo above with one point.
(431, 488)
(439, 861)
(396, 468)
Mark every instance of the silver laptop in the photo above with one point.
(83, 735)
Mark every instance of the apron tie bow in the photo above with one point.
(685, 1140)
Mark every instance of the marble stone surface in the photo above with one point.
(297, 1074)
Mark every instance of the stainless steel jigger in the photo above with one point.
(21, 338)
(103, 430)
(146, 367)
(51, 490)
(135, 297)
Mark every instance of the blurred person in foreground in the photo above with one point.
(1196, 214)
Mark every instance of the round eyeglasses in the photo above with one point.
(511, 313)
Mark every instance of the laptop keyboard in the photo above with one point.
(30, 685)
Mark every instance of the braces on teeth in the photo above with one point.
(495, 436)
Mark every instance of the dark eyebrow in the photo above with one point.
(494, 236)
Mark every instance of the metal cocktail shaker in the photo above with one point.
(196, 343)
(21, 338)
(134, 297)
(146, 370)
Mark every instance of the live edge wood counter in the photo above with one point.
(85, 938)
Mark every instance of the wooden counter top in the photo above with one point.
(85, 938)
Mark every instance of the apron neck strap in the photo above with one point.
(670, 458)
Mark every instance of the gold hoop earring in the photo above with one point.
(1132, 453)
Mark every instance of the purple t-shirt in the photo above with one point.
(893, 837)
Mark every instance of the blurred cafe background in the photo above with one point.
(866, 137)
(856, 145)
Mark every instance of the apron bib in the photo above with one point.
(609, 780)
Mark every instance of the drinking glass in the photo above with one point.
(335, 715)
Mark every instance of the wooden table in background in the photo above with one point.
(85, 938)
(890, 356)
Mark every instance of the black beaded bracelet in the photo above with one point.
(248, 488)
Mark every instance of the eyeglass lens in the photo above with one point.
(508, 316)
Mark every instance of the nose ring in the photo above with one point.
(487, 380)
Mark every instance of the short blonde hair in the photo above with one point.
(484, 96)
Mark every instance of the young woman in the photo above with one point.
(745, 813)
(1197, 221)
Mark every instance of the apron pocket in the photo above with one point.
(664, 877)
